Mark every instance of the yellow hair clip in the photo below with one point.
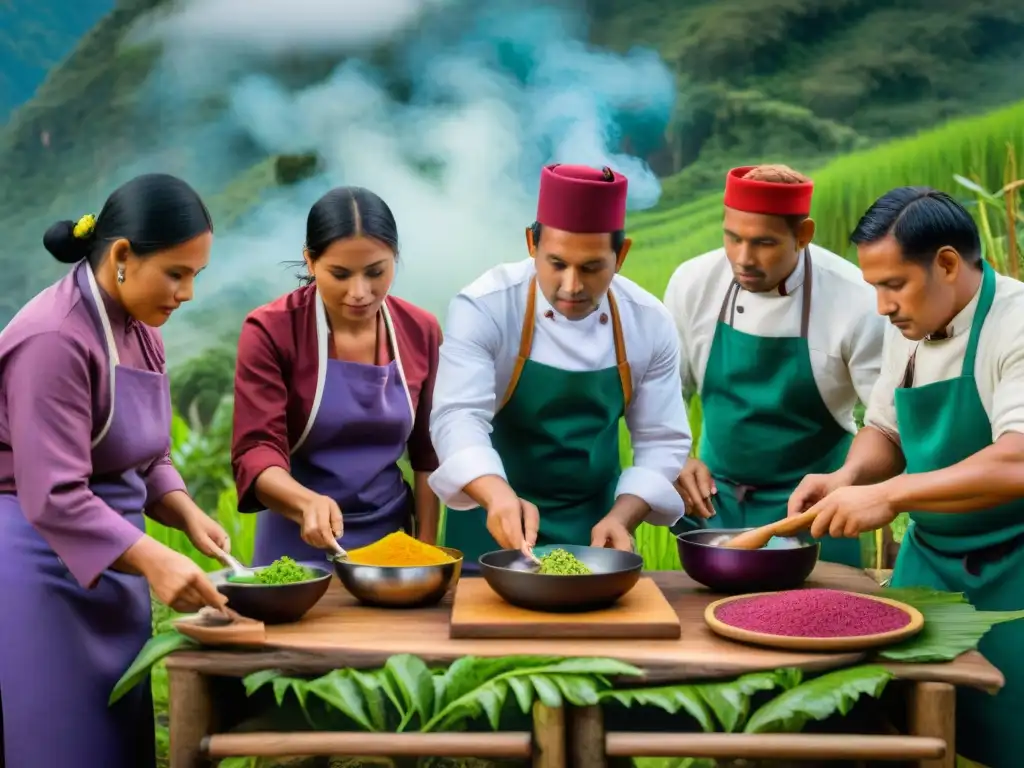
(85, 226)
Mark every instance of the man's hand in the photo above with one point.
(696, 486)
(611, 533)
(513, 522)
(853, 510)
(812, 489)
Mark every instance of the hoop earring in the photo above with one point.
(120, 274)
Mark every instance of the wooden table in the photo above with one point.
(337, 633)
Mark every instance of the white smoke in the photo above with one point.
(514, 88)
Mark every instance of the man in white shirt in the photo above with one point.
(540, 360)
(949, 409)
(780, 339)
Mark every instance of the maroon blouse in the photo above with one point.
(275, 383)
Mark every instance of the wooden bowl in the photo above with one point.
(831, 644)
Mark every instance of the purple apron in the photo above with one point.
(357, 431)
(62, 647)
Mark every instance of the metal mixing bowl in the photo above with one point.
(516, 580)
(734, 571)
(273, 603)
(400, 586)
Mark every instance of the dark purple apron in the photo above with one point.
(361, 420)
(62, 647)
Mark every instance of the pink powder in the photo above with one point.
(812, 613)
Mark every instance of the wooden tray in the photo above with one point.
(211, 628)
(643, 613)
(833, 644)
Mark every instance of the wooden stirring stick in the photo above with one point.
(758, 537)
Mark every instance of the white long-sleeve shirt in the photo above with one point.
(845, 331)
(478, 355)
(998, 367)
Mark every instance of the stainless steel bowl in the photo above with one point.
(734, 571)
(400, 586)
(273, 603)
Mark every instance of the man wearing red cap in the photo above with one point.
(541, 358)
(780, 339)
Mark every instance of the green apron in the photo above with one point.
(557, 433)
(977, 553)
(765, 424)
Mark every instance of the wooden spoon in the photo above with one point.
(758, 537)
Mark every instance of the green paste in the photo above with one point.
(281, 571)
(560, 563)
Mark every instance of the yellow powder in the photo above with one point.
(399, 548)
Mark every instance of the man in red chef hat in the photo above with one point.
(780, 338)
(541, 358)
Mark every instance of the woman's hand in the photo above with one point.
(321, 522)
(206, 534)
(177, 582)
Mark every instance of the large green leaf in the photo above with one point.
(818, 699)
(153, 652)
(728, 701)
(576, 681)
(669, 698)
(952, 626)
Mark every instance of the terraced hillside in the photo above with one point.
(796, 80)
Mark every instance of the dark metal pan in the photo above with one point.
(273, 603)
(784, 565)
(516, 580)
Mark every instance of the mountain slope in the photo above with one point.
(796, 80)
(34, 37)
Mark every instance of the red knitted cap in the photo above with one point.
(766, 197)
(581, 199)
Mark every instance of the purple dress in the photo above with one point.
(84, 438)
(357, 431)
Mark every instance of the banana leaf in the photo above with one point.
(952, 625)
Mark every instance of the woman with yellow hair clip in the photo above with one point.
(85, 418)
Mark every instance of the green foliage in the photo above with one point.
(952, 625)
(835, 692)
(407, 695)
(156, 649)
(199, 385)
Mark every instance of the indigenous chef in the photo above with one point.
(332, 385)
(780, 339)
(949, 409)
(541, 359)
(85, 421)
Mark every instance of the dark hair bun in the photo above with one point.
(61, 242)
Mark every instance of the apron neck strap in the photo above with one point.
(732, 294)
(988, 292)
(526, 344)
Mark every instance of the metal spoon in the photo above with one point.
(233, 563)
(339, 552)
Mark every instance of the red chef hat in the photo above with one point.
(581, 199)
(767, 197)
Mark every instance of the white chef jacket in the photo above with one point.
(998, 367)
(478, 355)
(845, 331)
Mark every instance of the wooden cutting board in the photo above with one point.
(643, 613)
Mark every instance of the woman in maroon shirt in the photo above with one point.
(333, 383)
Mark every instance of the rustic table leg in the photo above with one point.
(191, 717)
(548, 736)
(586, 738)
(933, 713)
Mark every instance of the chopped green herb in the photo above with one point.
(281, 571)
(558, 562)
